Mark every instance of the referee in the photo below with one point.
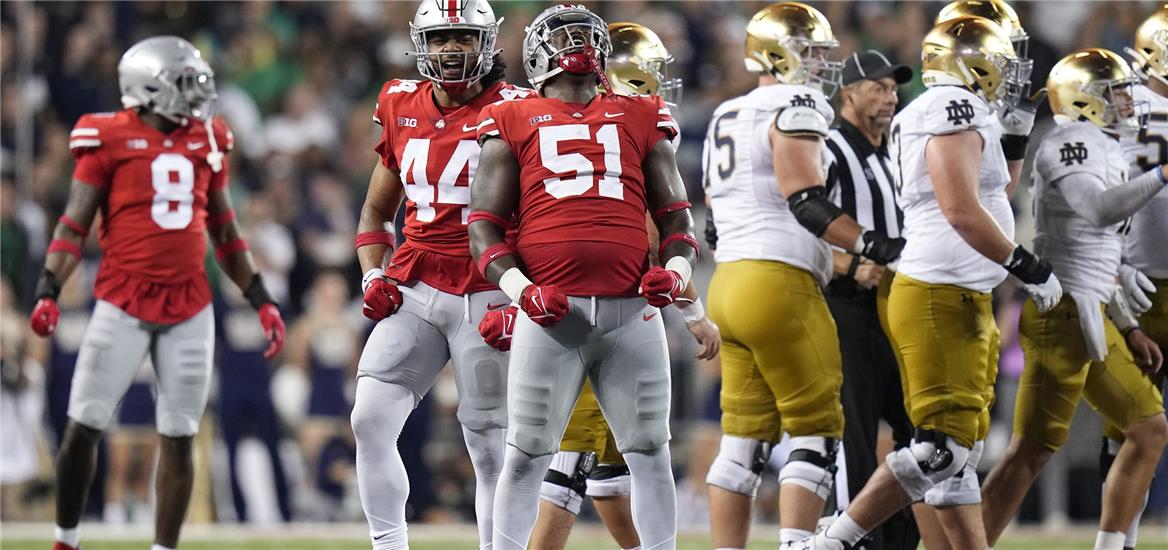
(859, 181)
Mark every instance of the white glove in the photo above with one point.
(1016, 120)
(1137, 288)
(1046, 295)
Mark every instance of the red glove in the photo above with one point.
(497, 326)
(661, 286)
(545, 305)
(382, 299)
(273, 329)
(44, 316)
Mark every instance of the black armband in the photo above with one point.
(256, 293)
(812, 209)
(1014, 147)
(711, 230)
(47, 286)
(1027, 267)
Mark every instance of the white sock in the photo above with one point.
(793, 535)
(72, 537)
(1109, 540)
(517, 498)
(654, 498)
(1133, 531)
(846, 529)
(379, 412)
(157, 546)
(115, 513)
(486, 454)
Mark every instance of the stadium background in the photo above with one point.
(297, 82)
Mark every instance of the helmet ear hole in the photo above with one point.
(1080, 104)
(981, 73)
(637, 83)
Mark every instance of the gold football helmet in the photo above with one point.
(1095, 84)
(639, 62)
(995, 10)
(1151, 47)
(973, 52)
(790, 41)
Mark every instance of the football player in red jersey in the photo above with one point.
(427, 296)
(156, 171)
(580, 169)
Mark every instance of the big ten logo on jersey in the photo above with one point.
(959, 112)
(1072, 153)
(575, 172)
(804, 100)
(407, 122)
(540, 118)
(453, 185)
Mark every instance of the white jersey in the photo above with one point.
(1085, 256)
(752, 217)
(935, 253)
(1148, 234)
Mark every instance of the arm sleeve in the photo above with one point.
(1088, 196)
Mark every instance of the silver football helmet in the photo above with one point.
(442, 15)
(168, 76)
(565, 38)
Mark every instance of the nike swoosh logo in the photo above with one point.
(493, 307)
(612, 115)
(381, 536)
(196, 145)
(649, 316)
(468, 128)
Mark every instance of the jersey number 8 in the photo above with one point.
(173, 178)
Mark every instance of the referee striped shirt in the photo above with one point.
(859, 181)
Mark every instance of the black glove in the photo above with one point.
(1027, 267)
(879, 248)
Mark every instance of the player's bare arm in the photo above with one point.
(381, 204)
(796, 165)
(239, 265)
(664, 191)
(64, 252)
(495, 192)
(705, 331)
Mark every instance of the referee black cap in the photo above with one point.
(873, 65)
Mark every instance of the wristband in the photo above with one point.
(853, 266)
(492, 253)
(683, 237)
(1014, 147)
(69, 247)
(47, 286)
(256, 294)
(82, 232)
(373, 237)
(375, 273)
(692, 313)
(858, 246)
(513, 283)
(682, 267)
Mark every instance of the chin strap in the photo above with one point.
(584, 62)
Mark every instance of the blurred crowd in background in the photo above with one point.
(297, 83)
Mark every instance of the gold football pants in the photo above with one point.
(947, 343)
(588, 431)
(781, 367)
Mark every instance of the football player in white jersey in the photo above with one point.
(781, 371)
(1082, 199)
(1144, 274)
(952, 175)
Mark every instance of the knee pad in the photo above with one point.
(609, 480)
(739, 465)
(811, 464)
(566, 480)
(932, 458)
(961, 489)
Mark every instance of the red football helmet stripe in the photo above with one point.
(452, 8)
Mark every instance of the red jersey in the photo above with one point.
(582, 189)
(436, 152)
(153, 228)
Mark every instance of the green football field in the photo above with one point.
(456, 537)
